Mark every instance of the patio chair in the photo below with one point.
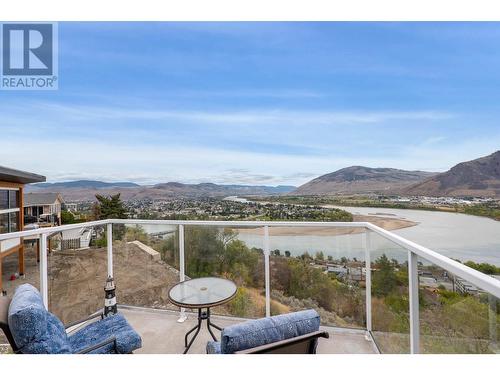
(31, 329)
(294, 333)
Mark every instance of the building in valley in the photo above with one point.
(43, 209)
(11, 212)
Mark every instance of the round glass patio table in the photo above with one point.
(202, 294)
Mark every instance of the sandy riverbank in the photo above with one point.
(388, 223)
(385, 221)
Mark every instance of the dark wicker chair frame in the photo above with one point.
(4, 325)
(305, 344)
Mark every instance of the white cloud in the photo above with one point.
(259, 116)
(253, 147)
(152, 164)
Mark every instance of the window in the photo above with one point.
(9, 210)
(4, 199)
(4, 223)
(9, 199)
(13, 198)
(14, 221)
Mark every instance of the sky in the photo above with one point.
(257, 103)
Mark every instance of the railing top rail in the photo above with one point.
(255, 223)
(61, 228)
(479, 279)
(51, 230)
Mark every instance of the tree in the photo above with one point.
(287, 254)
(67, 217)
(487, 268)
(227, 235)
(306, 256)
(110, 207)
(207, 254)
(320, 256)
(384, 279)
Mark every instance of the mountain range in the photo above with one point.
(361, 180)
(81, 184)
(475, 178)
(83, 190)
(478, 178)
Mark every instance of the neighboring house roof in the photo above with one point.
(41, 199)
(337, 269)
(20, 177)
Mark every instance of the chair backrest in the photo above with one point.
(34, 329)
(4, 321)
(261, 332)
(305, 344)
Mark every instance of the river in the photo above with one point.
(458, 236)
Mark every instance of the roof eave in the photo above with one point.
(19, 177)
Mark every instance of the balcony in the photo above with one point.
(375, 291)
(155, 326)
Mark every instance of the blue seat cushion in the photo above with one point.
(213, 347)
(259, 332)
(127, 339)
(35, 330)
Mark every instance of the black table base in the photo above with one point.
(202, 315)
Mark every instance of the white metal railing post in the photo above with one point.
(267, 271)
(414, 305)
(492, 318)
(368, 279)
(44, 284)
(109, 240)
(182, 271)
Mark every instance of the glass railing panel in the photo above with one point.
(76, 272)
(11, 264)
(145, 264)
(455, 315)
(390, 296)
(320, 268)
(225, 252)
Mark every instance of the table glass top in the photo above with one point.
(202, 291)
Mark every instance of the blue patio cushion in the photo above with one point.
(213, 347)
(259, 332)
(35, 330)
(114, 325)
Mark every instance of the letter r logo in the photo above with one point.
(27, 49)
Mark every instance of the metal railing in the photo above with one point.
(483, 281)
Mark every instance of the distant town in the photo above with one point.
(263, 207)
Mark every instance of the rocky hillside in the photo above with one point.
(361, 180)
(86, 190)
(478, 178)
(80, 184)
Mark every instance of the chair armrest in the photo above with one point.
(284, 343)
(90, 317)
(111, 340)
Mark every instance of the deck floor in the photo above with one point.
(162, 334)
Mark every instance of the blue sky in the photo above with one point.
(257, 103)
